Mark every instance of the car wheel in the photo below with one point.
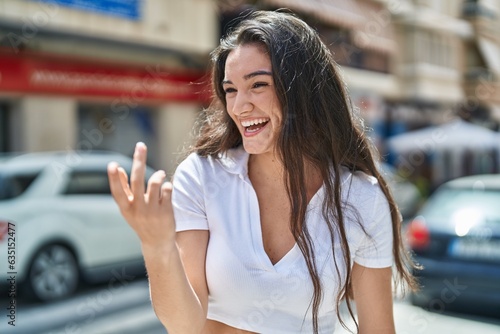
(53, 273)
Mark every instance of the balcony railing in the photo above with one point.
(480, 73)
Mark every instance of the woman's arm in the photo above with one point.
(372, 291)
(177, 282)
(179, 303)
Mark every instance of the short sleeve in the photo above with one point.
(187, 196)
(375, 250)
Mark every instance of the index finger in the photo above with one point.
(138, 170)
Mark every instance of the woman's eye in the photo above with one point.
(229, 90)
(260, 84)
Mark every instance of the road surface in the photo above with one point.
(127, 310)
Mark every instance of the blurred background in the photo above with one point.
(91, 76)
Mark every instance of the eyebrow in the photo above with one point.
(250, 75)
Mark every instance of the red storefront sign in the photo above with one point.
(31, 73)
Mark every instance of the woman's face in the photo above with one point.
(251, 98)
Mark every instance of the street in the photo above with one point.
(101, 310)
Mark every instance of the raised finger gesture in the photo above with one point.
(148, 211)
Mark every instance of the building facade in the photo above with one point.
(482, 76)
(107, 73)
(93, 75)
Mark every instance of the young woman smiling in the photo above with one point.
(279, 213)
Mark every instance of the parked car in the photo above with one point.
(67, 227)
(456, 237)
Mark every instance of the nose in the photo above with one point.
(241, 104)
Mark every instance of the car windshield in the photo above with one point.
(12, 186)
(464, 204)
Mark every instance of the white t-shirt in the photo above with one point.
(246, 290)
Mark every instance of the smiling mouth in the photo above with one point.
(254, 125)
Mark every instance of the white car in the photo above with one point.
(60, 225)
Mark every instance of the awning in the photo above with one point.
(369, 22)
(50, 74)
(456, 135)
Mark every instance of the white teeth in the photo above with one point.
(254, 121)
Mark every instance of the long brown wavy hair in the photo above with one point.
(319, 127)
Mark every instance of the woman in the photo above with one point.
(280, 212)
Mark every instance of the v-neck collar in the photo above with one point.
(294, 253)
(235, 161)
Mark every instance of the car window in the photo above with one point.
(468, 204)
(12, 186)
(88, 183)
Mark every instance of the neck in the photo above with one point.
(267, 165)
(269, 169)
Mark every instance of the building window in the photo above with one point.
(117, 127)
(346, 53)
(432, 48)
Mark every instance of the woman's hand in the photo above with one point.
(147, 211)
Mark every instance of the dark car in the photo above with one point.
(456, 238)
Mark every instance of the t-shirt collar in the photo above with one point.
(235, 160)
